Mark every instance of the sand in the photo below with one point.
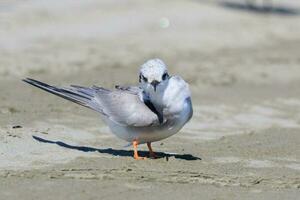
(243, 67)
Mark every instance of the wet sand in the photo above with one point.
(243, 70)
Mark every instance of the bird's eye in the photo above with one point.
(165, 76)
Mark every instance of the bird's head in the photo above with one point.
(153, 74)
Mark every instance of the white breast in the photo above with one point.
(169, 99)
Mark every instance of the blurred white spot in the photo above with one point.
(164, 22)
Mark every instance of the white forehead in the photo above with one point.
(153, 68)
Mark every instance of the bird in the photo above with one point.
(156, 108)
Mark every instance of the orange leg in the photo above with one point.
(136, 155)
(151, 153)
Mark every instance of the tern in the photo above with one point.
(155, 109)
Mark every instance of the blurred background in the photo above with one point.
(240, 57)
(209, 42)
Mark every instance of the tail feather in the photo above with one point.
(77, 94)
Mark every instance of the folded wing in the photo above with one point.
(126, 108)
(123, 106)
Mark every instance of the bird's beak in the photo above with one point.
(154, 84)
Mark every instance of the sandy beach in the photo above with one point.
(243, 67)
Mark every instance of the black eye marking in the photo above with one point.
(143, 77)
(165, 76)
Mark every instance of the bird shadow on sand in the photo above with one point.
(115, 152)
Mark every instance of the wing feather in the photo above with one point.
(125, 106)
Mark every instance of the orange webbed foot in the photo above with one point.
(136, 157)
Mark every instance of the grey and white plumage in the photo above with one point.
(156, 109)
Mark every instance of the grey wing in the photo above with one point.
(126, 108)
(146, 99)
